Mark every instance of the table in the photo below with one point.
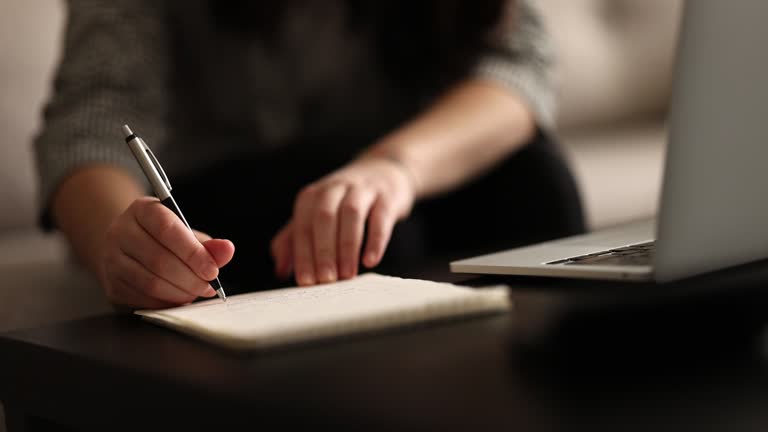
(572, 355)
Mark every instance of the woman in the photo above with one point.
(353, 128)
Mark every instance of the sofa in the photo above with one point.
(615, 61)
(41, 282)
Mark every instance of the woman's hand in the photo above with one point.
(323, 240)
(472, 126)
(150, 259)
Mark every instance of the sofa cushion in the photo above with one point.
(615, 58)
(618, 169)
(42, 284)
(29, 43)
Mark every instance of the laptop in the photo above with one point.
(713, 210)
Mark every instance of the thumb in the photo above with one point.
(201, 236)
(221, 250)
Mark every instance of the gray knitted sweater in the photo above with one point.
(197, 96)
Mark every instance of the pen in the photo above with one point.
(160, 184)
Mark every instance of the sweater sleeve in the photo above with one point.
(522, 57)
(112, 71)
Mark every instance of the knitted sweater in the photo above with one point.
(198, 96)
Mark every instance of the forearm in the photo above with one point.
(87, 202)
(474, 125)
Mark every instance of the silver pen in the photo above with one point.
(160, 184)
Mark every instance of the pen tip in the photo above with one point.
(127, 131)
(222, 296)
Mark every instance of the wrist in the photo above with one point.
(106, 192)
(398, 160)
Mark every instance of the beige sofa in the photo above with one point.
(40, 282)
(615, 62)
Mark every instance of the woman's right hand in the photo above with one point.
(150, 259)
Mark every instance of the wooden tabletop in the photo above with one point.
(569, 356)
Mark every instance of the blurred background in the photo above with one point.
(615, 63)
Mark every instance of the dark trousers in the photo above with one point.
(529, 197)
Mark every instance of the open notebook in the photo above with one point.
(291, 315)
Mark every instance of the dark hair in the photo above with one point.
(420, 43)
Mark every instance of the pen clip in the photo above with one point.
(158, 167)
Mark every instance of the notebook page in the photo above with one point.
(290, 314)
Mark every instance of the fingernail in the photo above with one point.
(328, 275)
(370, 258)
(305, 279)
(210, 292)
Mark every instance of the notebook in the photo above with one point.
(366, 303)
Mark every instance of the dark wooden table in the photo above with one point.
(570, 356)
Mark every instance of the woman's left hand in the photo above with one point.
(322, 241)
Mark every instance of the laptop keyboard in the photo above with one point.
(640, 254)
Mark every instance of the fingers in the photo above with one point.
(380, 225)
(165, 227)
(150, 259)
(353, 212)
(124, 294)
(135, 277)
(303, 239)
(282, 251)
(329, 217)
(316, 234)
(222, 251)
(201, 236)
(136, 243)
(324, 230)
